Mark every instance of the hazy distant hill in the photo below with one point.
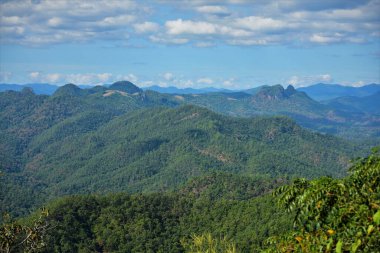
(369, 103)
(175, 90)
(328, 91)
(102, 139)
(38, 88)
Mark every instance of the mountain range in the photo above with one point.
(323, 91)
(352, 117)
(121, 138)
(317, 92)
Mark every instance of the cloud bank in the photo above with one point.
(199, 23)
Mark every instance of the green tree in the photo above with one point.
(16, 237)
(206, 243)
(334, 215)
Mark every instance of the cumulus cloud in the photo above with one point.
(168, 76)
(213, 9)
(79, 78)
(322, 39)
(179, 26)
(146, 27)
(205, 80)
(200, 22)
(47, 22)
(301, 81)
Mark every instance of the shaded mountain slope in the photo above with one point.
(369, 103)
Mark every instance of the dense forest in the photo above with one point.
(119, 169)
(330, 215)
(77, 141)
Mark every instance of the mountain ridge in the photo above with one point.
(126, 143)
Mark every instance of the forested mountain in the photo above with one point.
(329, 214)
(153, 169)
(332, 118)
(322, 91)
(355, 118)
(103, 140)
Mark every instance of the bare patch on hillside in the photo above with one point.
(112, 92)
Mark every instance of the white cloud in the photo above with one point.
(83, 78)
(168, 40)
(55, 21)
(205, 80)
(180, 26)
(261, 23)
(104, 77)
(213, 9)
(146, 83)
(146, 27)
(322, 39)
(34, 75)
(53, 78)
(358, 84)
(130, 77)
(48, 22)
(230, 83)
(301, 81)
(168, 76)
(235, 22)
(121, 20)
(183, 83)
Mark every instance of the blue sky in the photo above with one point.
(233, 44)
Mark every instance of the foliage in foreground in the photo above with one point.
(334, 215)
(16, 237)
(206, 243)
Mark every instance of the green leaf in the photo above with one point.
(339, 245)
(370, 229)
(376, 217)
(355, 246)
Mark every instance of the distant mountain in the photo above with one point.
(328, 91)
(38, 88)
(175, 90)
(369, 103)
(334, 117)
(275, 100)
(125, 86)
(265, 100)
(253, 91)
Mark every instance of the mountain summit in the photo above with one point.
(125, 86)
(277, 92)
(68, 90)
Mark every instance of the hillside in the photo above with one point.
(354, 118)
(220, 207)
(158, 222)
(275, 100)
(85, 141)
